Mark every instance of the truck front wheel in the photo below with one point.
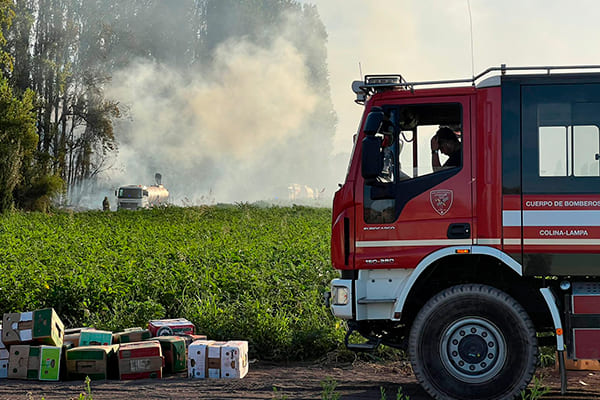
(473, 342)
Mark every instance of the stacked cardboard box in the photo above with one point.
(50, 361)
(40, 326)
(132, 335)
(93, 337)
(24, 362)
(170, 327)
(189, 339)
(3, 358)
(210, 359)
(140, 360)
(174, 352)
(35, 345)
(72, 336)
(94, 361)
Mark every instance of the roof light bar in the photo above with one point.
(383, 80)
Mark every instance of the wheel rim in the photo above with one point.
(473, 350)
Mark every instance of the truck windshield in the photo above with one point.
(130, 193)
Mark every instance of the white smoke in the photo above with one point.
(219, 135)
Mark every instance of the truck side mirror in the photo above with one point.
(373, 122)
(372, 157)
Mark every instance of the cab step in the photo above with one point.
(369, 345)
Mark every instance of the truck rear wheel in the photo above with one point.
(473, 342)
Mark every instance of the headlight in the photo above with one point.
(339, 295)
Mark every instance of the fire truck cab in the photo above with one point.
(470, 265)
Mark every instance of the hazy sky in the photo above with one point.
(430, 40)
(420, 39)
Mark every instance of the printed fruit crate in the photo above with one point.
(174, 352)
(72, 335)
(4, 355)
(24, 362)
(50, 360)
(95, 338)
(97, 362)
(210, 359)
(40, 326)
(189, 339)
(140, 360)
(132, 335)
(170, 327)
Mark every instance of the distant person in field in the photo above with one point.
(445, 141)
(105, 204)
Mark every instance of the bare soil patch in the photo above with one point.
(360, 381)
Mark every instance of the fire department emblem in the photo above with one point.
(441, 200)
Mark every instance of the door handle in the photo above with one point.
(459, 231)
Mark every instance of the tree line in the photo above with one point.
(57, 56)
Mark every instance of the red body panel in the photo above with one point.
(586, 344)
(586, 304)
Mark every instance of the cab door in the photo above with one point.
(418, 210)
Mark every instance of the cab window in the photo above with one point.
(409, 165)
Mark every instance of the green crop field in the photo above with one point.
(237, 272)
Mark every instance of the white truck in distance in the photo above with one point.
(133, 197)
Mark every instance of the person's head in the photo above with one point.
(387, 130)
(448, 142)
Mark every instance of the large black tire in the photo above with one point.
(473, 342)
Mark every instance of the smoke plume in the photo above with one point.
(226, 134)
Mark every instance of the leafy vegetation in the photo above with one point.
(236, 272)
(329, 384)
(536, 389)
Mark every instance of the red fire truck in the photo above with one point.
(470, 265)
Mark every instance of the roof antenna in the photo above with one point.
(360, 70)
(472, 52)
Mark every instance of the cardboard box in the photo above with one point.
(140, 360)
(210, 359)
(234, 359)
(50, 360)
(40, 326)
(72, 335)
(3, 368)
(174, 352)
(4, 355)
(95, 338)
(17, 328)
(2, 345)
(24, 362)
(97, 362)
(189, 339)
(579, 365)
(170, 327)
(132, 335)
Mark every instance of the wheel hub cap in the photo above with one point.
(473, 350)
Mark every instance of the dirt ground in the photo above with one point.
(360, 381)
